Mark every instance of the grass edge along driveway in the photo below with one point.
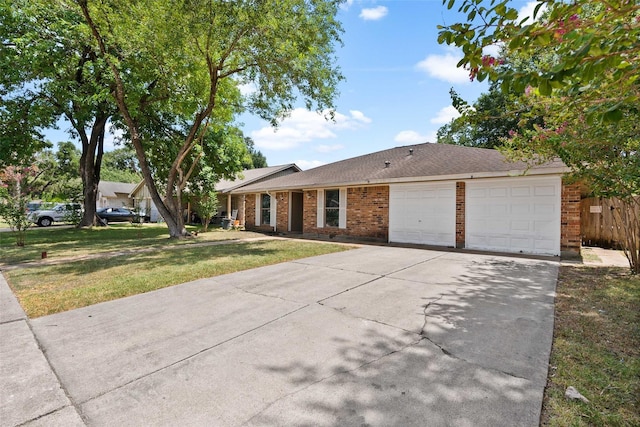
(50, 289)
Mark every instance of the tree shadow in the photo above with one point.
(474, 354)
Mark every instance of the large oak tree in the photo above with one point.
(187, 58)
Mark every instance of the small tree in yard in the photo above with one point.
(14, 198)
(207, 207)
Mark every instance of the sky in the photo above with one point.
(395, 92)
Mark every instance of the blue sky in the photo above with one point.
(396, 90)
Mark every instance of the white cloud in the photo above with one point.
(527, 12)
(359, 116)
(112, 137)
(304, 126)
(443, 67)
(411, 137)
(328, 148)
(493, 49)
(346, 5)
(445, 115)
(247, 89)
(374, 13)
(308, 164)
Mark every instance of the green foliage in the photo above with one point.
(206, 207)
(255, 159)
(14, 196)
(491, 119)
(577, 66)
(177, 76)
(592, 50)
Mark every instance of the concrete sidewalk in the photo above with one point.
(31, 394)
(373, 336)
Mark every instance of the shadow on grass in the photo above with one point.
(477, 354)
(70, 241)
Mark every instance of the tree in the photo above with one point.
(582, 77)
(188, 59)
(120, 165)
(51, 69)
(491, 119)
(594, 45)
(14, 196)
(256, 159)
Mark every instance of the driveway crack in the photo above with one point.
(335, 374)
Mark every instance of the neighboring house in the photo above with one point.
(428, 194)
(228, 203)
(114, 194)
(143, 204)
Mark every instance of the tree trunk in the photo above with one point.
(90, 166)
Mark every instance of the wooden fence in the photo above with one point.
(597, 225)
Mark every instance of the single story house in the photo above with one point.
(228, 203)
(428, 194)
(114, 194)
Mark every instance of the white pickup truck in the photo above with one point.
(59, 213)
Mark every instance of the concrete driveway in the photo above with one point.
(376, 336)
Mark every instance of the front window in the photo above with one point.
(332, 208)
(265, 209)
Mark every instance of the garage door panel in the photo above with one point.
(521, 191)
(422, 213)
(518, 215)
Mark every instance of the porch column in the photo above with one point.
(229, 205)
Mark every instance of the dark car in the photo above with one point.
(108, 215)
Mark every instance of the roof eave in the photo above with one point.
(464, 176)
(243, 184)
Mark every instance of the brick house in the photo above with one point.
(428, 194)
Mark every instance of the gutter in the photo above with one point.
(432, 178)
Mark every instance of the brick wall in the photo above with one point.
(282, 211)
(367, 214)
(570, 239)
(250, 212)
(460, 215)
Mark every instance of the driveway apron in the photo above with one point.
(377, 336)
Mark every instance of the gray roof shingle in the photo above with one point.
(424, 161)
(253, 175)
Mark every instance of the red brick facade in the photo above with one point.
(367, 215)
(570, 237)
(460, 214)
(282, 211)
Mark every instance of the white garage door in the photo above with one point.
(514, 215)
(423, 213)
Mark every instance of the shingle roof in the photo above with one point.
(252, 175)
(110, 188)
(424, 161)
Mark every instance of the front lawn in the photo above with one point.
(62, 242)
(51, 289)
(596, 349)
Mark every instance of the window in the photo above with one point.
(332, 208)
(265, 209)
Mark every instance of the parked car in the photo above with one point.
(58, 213)
(108, 215)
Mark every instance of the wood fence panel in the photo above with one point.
(597, 225)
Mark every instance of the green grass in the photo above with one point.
(596, 349)
(61, 242)
(55, 288)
